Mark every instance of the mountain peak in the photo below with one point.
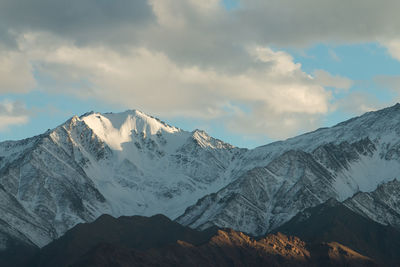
(119, 119)
(397, 105)
(205, 140)
(117, 128)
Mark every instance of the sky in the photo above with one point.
(248, 72)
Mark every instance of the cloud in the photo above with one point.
(197, 57)
(391, 82)
(83, 21)
(306, 21)
(15, 73)
(334, 56)
(184, 29)
(12, 114)
(265, 121)
(393, 47)
(326, 79)
(357, 103)
(273, 86)
(202, 32)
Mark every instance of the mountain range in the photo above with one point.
(129, 163)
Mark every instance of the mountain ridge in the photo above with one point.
(156, 240)
(71, 174)
(131, 163)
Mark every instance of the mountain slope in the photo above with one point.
(381, 205)
(333, 221)
(130, 232)
(354, 156)
(15, 248)
(264, 198)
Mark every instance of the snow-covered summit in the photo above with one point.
(133, 120)
(117, 163)
(118, 128)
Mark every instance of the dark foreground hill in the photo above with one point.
(136, 232)
(229, 248)
(158, 241)
(327, 235)
(333, 221)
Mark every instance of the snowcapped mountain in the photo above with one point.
(133, 164)
(121, 164)
(280, 179)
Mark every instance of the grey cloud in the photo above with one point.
(84, 21)
(357, 103)
(220, 38)
(326, 79)
(209, 38)
(294, 22)
(391, 82)
(13, 108)
(15, 73)
(265, 121)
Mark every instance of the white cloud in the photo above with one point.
(393, 47)
(15, 73)
(12, 114)
(274, 89)
(281, 62)
(190, 58)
